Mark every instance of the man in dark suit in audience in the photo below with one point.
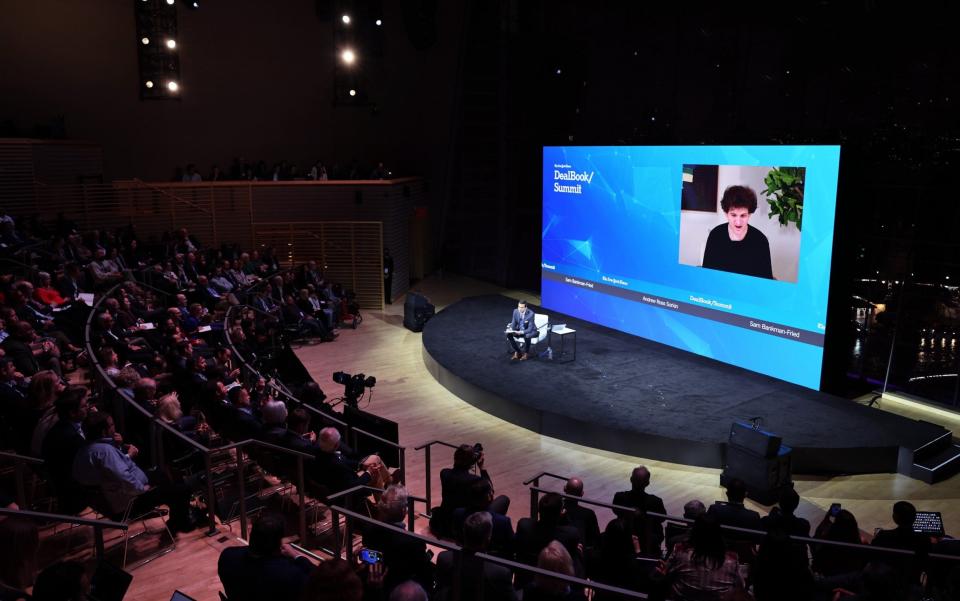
(533, 536)
(242, 423)
(733, 512)
(494, 580)
(481, 496)
(61, 445)
(581, 518)
(908, 568)
(639, 498)
(783, 516)
(331, 469)
(279, 428)
(267, 568)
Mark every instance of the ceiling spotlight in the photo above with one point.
(144, 41)
(170, 2)
(172, 86)
(345, 19)
(379, 22)
(348, 56)
(149, 84)
(353, 92)
(171, 44)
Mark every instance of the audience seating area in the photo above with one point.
(150, 389)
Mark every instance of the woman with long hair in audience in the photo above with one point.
(44, 389)
(702, 569)
(830, 560)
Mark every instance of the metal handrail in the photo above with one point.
(411, 499)
(206, 451)
(189, 203)
(350, 432)
(97, 525)
(427, 468)
(535, 492)
(18, 462)
(536, 479)
(351, 515)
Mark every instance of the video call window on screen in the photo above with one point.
(722, 251)
(725, 220)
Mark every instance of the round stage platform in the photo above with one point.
(633, 396)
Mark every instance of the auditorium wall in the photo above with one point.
(256, 82)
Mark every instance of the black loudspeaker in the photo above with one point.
(416, 311)
(746, 437)
(765, 477)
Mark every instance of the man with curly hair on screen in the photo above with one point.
(737, 246)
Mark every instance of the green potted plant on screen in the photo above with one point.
(784, 194)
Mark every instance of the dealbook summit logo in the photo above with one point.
(566, 173)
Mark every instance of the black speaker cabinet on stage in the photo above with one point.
(416, 311)
(760, 460)
(754, 440)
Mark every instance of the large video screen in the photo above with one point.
(723, 251)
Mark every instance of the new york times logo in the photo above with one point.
(565, 173)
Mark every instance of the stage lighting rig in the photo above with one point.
(158, 49)
(353, 386)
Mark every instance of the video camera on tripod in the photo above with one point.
(353, 386)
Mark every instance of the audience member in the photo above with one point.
(533, 536)
(481, 497)
(404, 558)
(103, 465)
(553, 557)
(62, 581)
(455, 487)
(652, 527)
(408, 591)
(333, 580)
(679, 532)
(702, 569)
(61, 445)
(908, 568)
(476, 575)
(267, 568)
(582, 518)
(779, 573)
(19, 542)
(830, 560)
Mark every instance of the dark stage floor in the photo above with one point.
(629, 395)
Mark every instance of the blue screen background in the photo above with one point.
(626, 224)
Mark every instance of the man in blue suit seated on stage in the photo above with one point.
(521, 326)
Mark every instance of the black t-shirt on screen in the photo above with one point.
(750, 256)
